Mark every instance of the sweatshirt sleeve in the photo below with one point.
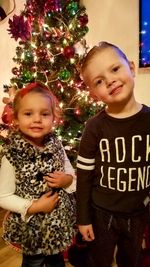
(8, 199)
(70, 170)
(85, 173)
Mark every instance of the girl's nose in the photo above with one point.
(37, 118)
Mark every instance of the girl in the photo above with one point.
(36, 181)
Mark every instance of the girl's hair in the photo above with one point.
(98, 48)
(37, 87)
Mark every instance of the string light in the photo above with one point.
(52, 55)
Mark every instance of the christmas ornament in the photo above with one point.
(27, 76)
(18, 28)
(69, 51)
(28, 56)
(80, 48)
(19, 51)
(83, 32)
(83, 20)
(11, 91)
(7, 115)
(64, 75)
(56, 32)
(52, 6)
(15, 71)
(72, 8)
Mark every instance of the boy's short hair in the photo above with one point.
(98, 48)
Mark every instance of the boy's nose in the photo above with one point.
(110, 80)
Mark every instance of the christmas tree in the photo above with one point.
(51, 47)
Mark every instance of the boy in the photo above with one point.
(113, 162)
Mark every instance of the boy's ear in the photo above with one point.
(132, 67)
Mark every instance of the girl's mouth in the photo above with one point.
(36, 129)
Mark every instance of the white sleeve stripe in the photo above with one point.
(86, 160)
(85, 167)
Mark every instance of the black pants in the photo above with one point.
(41, 260)
(111, 230)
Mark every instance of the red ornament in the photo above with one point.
(83, 20)
(69, 51)
(7, 115)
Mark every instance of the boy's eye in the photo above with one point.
(116, 68)
(98, 82)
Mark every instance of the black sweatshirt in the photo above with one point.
(113, 165)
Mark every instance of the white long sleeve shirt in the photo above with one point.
(9, 200)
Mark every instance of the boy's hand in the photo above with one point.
(87, 232)
(58, 179)
(46, 203)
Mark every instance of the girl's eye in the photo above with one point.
(27, 113)
(46, 114)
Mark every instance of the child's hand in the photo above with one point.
(46, 203)
(87, 232)
(58, 179)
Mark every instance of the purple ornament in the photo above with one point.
(52, 6)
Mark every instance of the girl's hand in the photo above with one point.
(87, 232)
(46, 203)
(58, 179)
